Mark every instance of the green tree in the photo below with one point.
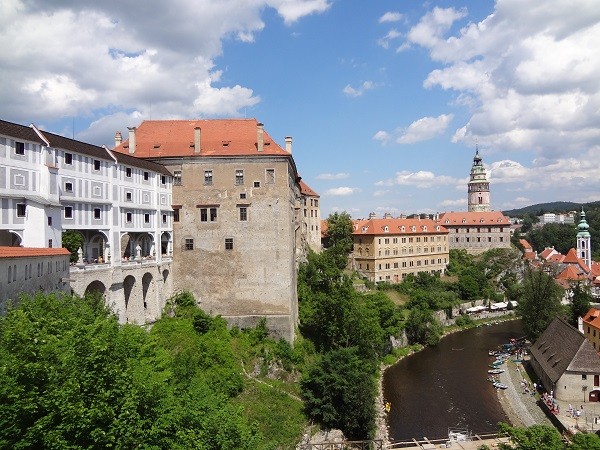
(72, 241)
(540, 302)
(585, 441)
(339, 392)
(423, 328)
(339, 238)
(535, 437)
(580, 302)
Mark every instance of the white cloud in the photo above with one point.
(452, 203)
(357, 92)
(341, 191)
(420, 179)
(390, 16)
(156, 59)
(527, 72)
(420, 130)
(392, 35)
(333, 176)
(382, 136)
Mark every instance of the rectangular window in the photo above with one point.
(228, 243)
(177, 177)
(239, 177)
(128, 196)
(128, 217)
(68, 187)
(189, 244)
(49, 221)
(146, 176)
(203, 214)
(96, 165)
(213, 214)
(583, 376)
(164, 218)
(243, 213)
(257, 184)
(20, 148)
(146, 218)
(128, 172)
(176, 215)
(163, 180)
(69, 158)
(49, 243)
(208, 177)
(21, 207)
(242, 195)
(97, 213)
(68, 212)
(270, 176)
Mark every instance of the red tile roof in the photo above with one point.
(570, 273)
(572, 258)
(397, 226)
(24, 252)
(526, 245)
(306, 190)
(547, 252)
(218, 137)
(592, 317)
(486, 218)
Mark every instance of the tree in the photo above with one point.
(423, 328)
(540, 302)
(339, 392)
(535, 437)
(339, 237)
(580, 302)
(585, 441)
(72, 241)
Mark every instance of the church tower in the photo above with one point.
(584, 241)
(479, 186)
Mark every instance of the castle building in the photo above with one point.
(476, 232)
(387, 250)
(584, 241)
(119, 205)
(311, 218)
(479, 187)
(238, 216)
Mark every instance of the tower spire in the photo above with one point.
(584, 240)
(479, 186)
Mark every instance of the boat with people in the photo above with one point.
(499, 385)
(496, 371)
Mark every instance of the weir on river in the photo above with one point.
(446, 386)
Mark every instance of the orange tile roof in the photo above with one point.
(394, 226)
(24, 252)
(570, 273)
(592, 317)
(556, 258)
(218, 137)
(324, 228)
(572, 258)
(306, 190)
(526, 245)
(485, 218)
(547, 252)
(529, 255)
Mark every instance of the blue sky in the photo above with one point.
(385, 100)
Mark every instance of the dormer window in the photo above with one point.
(386, 229)
(464, 221)
(413, 228)
(403, 228)
(424, 227)
(481, 220)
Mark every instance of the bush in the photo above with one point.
(464, 321)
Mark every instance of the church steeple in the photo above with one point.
(479, 186)
(584, 241)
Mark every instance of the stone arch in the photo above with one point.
(95, 247)
(165, 243)
(10, 238)
(149, 296)
(146, 243)
(128, 284)
(165, 275)
(96, 287)
(125, 242)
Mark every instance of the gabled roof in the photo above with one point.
(562, 348)
(397, 226)
(218, 137)
(592, 317)
(572, 258)
(306, 190)
(570, 274)
(547, 252)
(472, 218)
(19, 132)
(28, 252)
(526, 245)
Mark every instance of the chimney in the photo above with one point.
(197, 132)
(288, 144)
(259, 137)
(131, 140)
(372, 215)
(118, 138)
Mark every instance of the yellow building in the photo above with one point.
(591, 327)
(389, 249)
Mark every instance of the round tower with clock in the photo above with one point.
(479, 186)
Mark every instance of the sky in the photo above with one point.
(386, 100)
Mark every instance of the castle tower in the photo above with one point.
(479, 186)
(584, 241)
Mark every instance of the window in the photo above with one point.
(128, 217)
(146, 176)
(146, 218)
(49, 243)
(68, 212)
(68, 187)
(213, 214)
(257, 184)
(176, 215)
(208, 177)
(203, 214)
(163, 180)
(97, 213)
(69, 158)
(164, 218)
(20, 148)
(96, 165)
(583, 376)
(21, 207)
(49, 221)
(189, 244)
(128, 196)
(177, 177)
(270, 176)
(242, 195)
(228, 243)
(128, 172)
(239, 177)
(9, 280)
(243, 213)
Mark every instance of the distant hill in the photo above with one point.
(555, 207)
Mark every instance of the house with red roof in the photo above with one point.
(388, 249)
(238, 206)
(476, 231)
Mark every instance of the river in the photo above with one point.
(446, 386)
